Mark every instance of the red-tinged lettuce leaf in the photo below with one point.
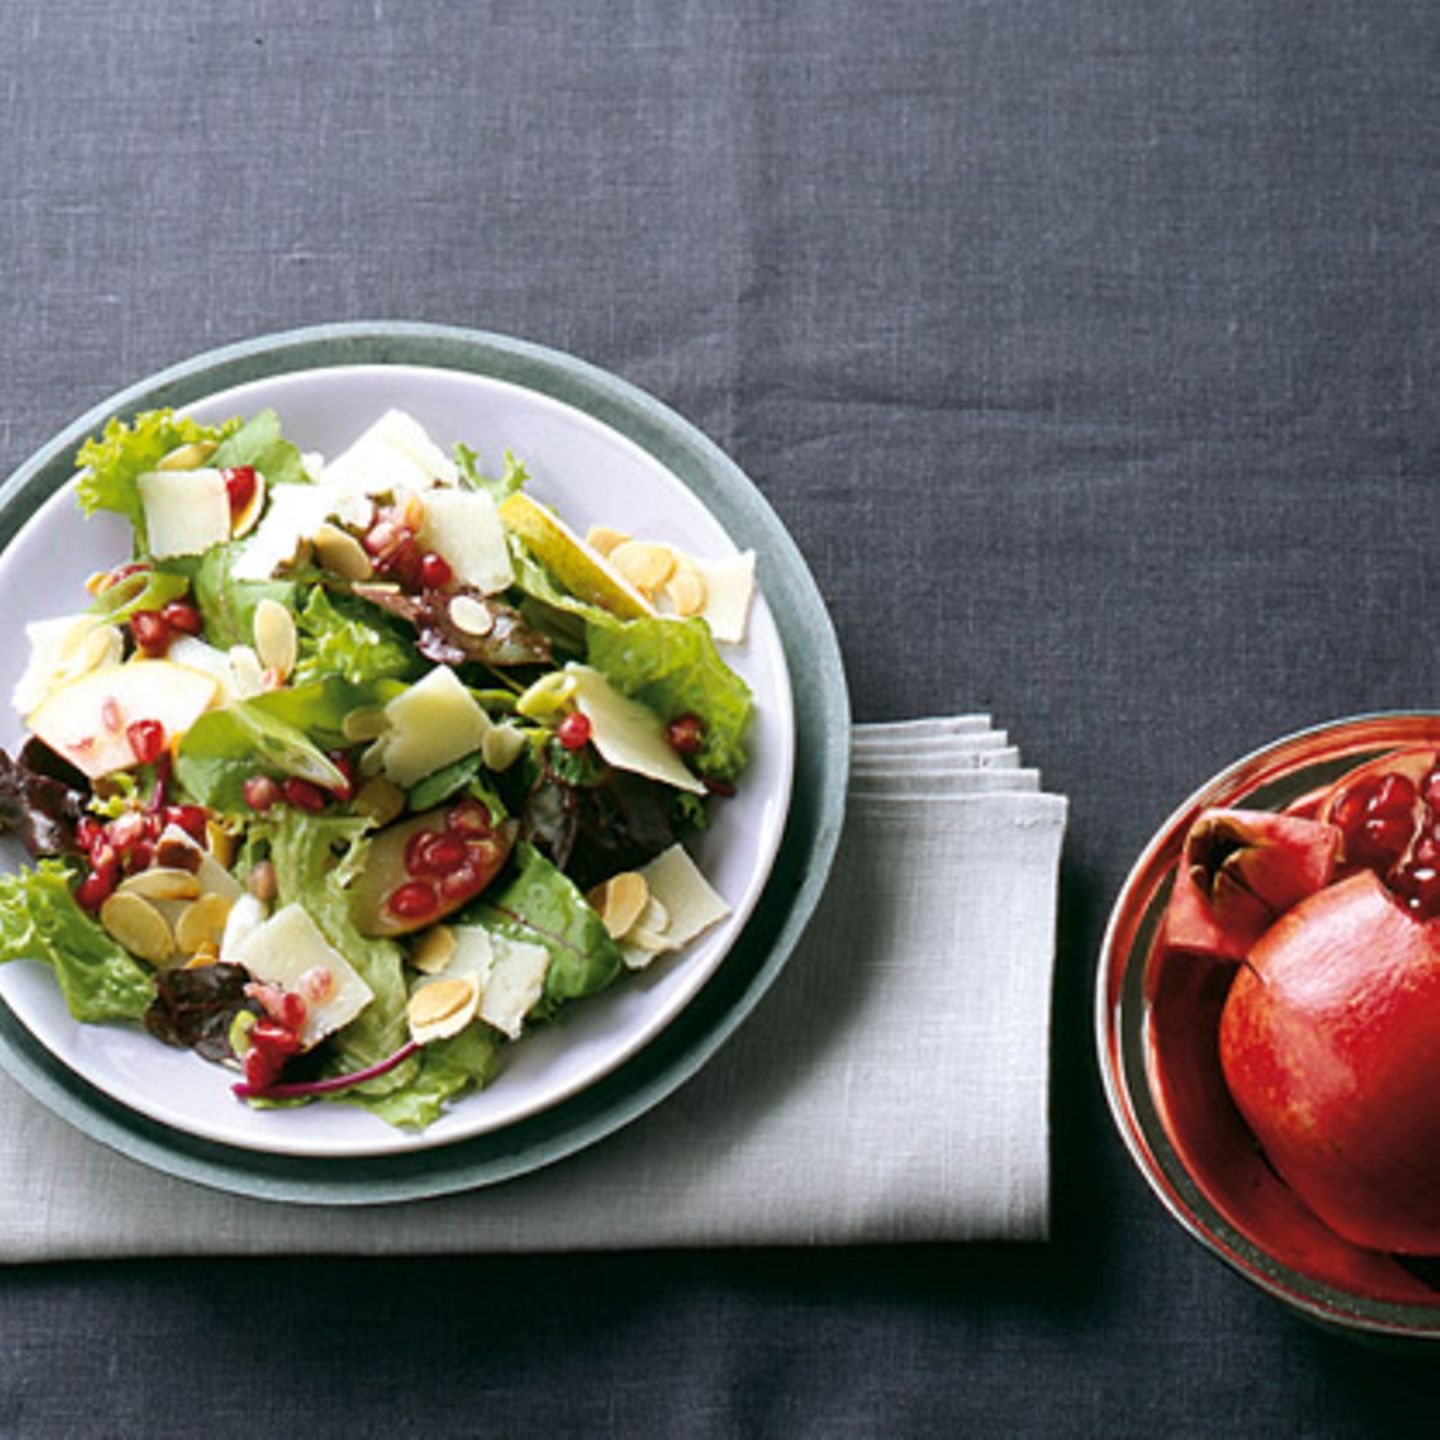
(541, 906)
(42, 808)
(510, 640)
(194, 1009)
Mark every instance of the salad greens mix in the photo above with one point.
(356, 769)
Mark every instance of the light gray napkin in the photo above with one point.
(891, 1087)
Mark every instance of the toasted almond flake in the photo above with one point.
(381, 799)
(137, 925)
(645, 565)
(620, 901)
(441, 1008)
(246, 675)
(246, 519)
(341, 553)
(207, 954)
(161, 883)
(276, 643)
(434, 950)
(202, 923)
(365, 724)
(471, 616)
(502, 747)
(603, 540)
(188, 457)
(686, 589)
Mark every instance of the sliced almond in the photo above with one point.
(471, 616)
(202, 923)
(276, 643)
(442, 1008)
(161, 883)
(620, 901)
(381, 799)
(686, 589)
(603, 540)
(137, 925)
(655, 918)
(207, 954)
(364, 724)
(243, 521)
(342, 554)
(433, 951)
(645, 565)
(188, 457)
(502, 747)
(247, 677)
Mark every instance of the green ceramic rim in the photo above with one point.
(822, 718)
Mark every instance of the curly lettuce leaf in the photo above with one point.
(512, 478)
(39, 920)
(259, 443)
(448, 1068)
(672, 666)
(540, 906)
(352, 641)
(113, 462)
(311, 854)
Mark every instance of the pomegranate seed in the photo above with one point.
(404, 565)
(443, 854)
(1393, 797)
(304, 795)
(469, 817)
(434, 571)
(716, 786)
(1420, 886)
(414, 900)
(151, 632)
(104, 856)
(1432, 790)
(147, 739)
(1427, 852)
(239, 486)
(182, 616)
(460, 883)
(293, 1011)
(140, 856)
(386, 536)
(261, 792)
(574, 731)
(87, 831)
(115, 576)
(192, 819)
(341, 760)
(124, 830)
(1387, 834)
(262, 1065)
(95, 889)
(415, 848)
(317, 984)
(1350, 809)
(686, 733)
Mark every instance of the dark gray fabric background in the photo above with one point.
(1088, 349)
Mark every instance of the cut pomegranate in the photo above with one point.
(147, 740)
(343, 762)
(434, 571)
(304, 795)
(574, 731)
(152, 634)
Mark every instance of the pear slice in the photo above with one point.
(85, 720)
(581, 570)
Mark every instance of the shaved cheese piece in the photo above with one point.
(473, 955)
(433, 723)
(294, 514)
(683, 903)
(729, 585)
(64, 649)
(515, 983)
(186, 511)
(395, 453)
(627, 735)
(283, 949)
(463, 526)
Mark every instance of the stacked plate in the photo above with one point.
(772, 850)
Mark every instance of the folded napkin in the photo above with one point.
(891, 1087)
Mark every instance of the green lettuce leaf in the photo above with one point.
(112, 462)
(310, 854)
(223, 748)
(347, 638)
(540, 906)
(512, 478)
(672, 666)
(448, 1068)
(39, 920)
(319, 707)
(259, 443)
(228, 605)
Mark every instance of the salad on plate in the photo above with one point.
(358, 768)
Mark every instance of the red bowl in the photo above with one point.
(1157, 1026)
